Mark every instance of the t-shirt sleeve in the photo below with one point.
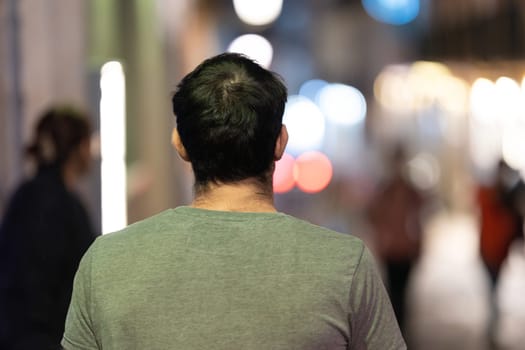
(79, 332)
(372, 321)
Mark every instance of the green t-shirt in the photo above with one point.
(198, 279)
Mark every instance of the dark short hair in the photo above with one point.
(229, 114)
(58, 132)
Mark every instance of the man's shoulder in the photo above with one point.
(314, 231)
(134, 233)
(321, 238)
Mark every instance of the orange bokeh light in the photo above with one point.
(312, 171)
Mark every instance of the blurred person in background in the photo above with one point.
(395, 215)
(229, 271)
(44, 233)
(501, 223)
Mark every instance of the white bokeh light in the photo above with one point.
(509, 97)
(483, 101)
(484, 146)
(254, 46)
(424, 171)
(513, 146)
(305, 124)
(393, 91)
(523, 87)
(512, 110)
(258, 12)
(485, 131)
(419, 87)
(342, 104)
(113, 147)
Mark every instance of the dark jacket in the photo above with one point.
(43, 235)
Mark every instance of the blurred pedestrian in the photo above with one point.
(501, 223)
(44, 233)
(395, 216)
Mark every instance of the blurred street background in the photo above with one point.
(401, 114)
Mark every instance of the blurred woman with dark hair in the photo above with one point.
(44, 233)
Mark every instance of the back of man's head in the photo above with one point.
(229, 114)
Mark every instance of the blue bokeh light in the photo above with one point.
(396, 12)
(311, 88)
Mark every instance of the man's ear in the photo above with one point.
(280, 145)
(177, 143)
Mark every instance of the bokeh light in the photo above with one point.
(509, 99)
(513, 146)
(523, 87)
(283, 176)
(312, 171)
(424, 171)
(498, 111)
(429, 69)
(433, 85)
(305, 124)
(453, 95)
(421, 86)
(258, 12)
(396, 12)
(483, 101)
(342, 104)
(484, 146)
(113, 147)
(392, 89)
(254, 46)
(311, 88)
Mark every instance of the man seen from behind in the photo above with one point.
(229, 271)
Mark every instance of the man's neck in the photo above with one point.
(242, 196)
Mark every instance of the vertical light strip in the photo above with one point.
(113, 147)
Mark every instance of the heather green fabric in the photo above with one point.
(197, 279)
